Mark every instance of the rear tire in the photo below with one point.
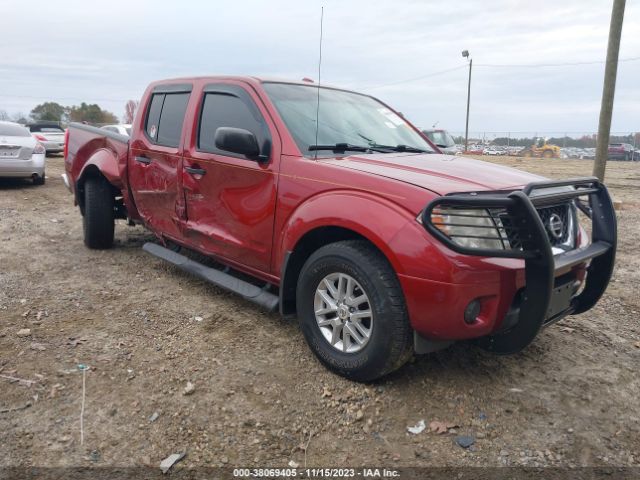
(389, 342)
(39, 179)
(99, 220)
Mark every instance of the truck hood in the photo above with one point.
(441, 174)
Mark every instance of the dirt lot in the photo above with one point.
(260, 398)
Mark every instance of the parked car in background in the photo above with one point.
(21, 155)
(494, 151)
(49, 134)
(442, 140)
(122, 129)
(474, 150)
(621, 151)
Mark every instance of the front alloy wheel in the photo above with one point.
(352, 310)
(343, 312)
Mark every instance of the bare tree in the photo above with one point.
(4, 116)
(20, 117)
(130, 111)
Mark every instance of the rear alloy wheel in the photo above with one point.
(352, 311)
(99, 219)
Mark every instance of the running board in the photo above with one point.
(248, 291)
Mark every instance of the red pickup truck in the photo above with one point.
(330, 206)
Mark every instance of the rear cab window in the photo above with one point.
(45, 129)
(165, 115)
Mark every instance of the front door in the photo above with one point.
(154, 161)
(230, 199)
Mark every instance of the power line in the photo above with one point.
(562, 64)
(501, 65)
(418, 78)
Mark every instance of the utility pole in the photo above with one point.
(465, 54)
(608, 89)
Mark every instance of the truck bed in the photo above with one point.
(107, 150)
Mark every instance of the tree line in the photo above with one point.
(585, 141)
(90, 113)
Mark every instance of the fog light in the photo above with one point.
(472, 311)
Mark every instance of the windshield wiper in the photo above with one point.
(401, 148)
(340, 148)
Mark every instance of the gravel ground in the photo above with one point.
(178, 365)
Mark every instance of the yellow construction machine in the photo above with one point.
(541, 148)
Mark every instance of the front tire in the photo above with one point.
(99, 220)
(352, 311)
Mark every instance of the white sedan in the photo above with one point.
(49, 134)
(21, 155)
(493, 151)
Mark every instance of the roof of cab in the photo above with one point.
(238, 78)
(255, 80)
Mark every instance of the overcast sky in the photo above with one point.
(106, 53)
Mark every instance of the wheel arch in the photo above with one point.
(91, 171)
(315, 224)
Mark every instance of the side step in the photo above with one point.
(250, 292)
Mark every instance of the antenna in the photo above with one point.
(319, 80)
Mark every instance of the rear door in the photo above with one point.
(230, 199)
(155, 159)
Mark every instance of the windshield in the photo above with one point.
(344, 117)
(13, 130)
(441, 138)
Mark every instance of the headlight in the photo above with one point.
(473, 228)
(39, 149)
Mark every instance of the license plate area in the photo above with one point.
(563, 291)
(9, 152)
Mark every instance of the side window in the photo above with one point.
(165, 118)
(172, 118)
(228, 110)
(153, 117)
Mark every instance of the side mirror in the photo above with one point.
(237, 140)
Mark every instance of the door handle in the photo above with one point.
(144, 160)
(195, 171)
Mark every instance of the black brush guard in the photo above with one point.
(541, 267)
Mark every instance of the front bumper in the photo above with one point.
(549, 291)
(619, 155)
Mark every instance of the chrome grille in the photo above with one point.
(547, 215)
(562, 217)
